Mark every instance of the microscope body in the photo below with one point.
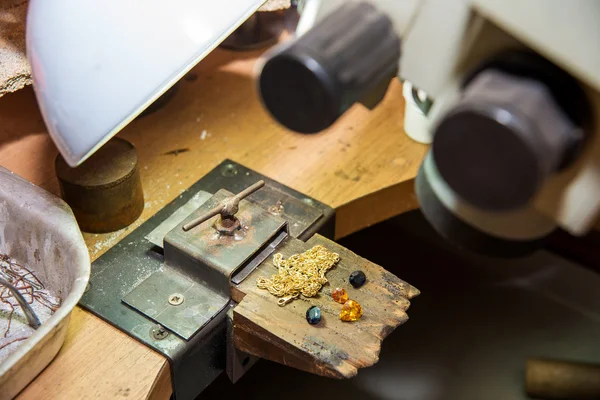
(512, 100)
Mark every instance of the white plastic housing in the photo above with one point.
(442, 40)
(96, 66)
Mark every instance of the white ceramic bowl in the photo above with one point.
(38, 230)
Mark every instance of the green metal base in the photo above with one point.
(196, 362)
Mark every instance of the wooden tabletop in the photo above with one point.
(363, 167)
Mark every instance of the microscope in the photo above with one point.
(508, 93)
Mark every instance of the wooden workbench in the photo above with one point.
(363, 167)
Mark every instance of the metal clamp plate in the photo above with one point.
(198, 267)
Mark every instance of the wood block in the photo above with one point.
(332, 348)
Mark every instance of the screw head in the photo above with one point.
(229, 170)
(158, 332)
(308, 201)
(176, 299)
(277, 208)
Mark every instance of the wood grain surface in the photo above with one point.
(332, 348)
(363, 167)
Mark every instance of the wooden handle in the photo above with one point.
(555, 379)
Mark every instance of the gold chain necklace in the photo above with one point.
(300, 274)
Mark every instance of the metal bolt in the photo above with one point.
(229, 222)
(158, 332)
(227, 226)
(277, 209)
(229, 170)
(175, 299)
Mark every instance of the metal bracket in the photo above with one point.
(238, 362)
(198, 267)
(176, 301)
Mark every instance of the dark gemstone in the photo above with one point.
(313, 315)
(357, 279)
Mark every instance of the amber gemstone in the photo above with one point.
(339, 295)
(351, 311)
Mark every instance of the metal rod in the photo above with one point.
(33, 320)
(220, 209)
(195, 222)
(249, 190)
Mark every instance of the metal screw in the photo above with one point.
(277, 208)
(229, 170)
(175, 299)
(308, 201)
(158, 332)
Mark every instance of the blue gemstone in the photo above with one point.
(357, 279)
(313, 315)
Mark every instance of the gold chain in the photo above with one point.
(300, 274)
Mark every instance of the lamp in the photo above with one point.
(97, 65)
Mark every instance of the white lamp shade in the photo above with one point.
(97, 65)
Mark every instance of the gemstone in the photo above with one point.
(339, 295)
(313, 315)
(351, 311)
(357, 279)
